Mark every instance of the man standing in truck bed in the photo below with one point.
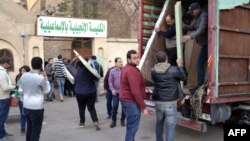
(200, 27)
(170, 39)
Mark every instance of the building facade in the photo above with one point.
(17, 36)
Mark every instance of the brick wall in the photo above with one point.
(52, 48)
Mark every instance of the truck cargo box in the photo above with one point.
(228, 66)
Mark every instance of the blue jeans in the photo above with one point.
(109, 102)
(60, 83)
(4, 112)
(23, 118)
(34, 124)
(133, 114)
(50, 94)
(168, 113)
(201, 72)
(115, 99)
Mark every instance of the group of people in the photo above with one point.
(33, 83)
(124, 84)
(199, 28)
(167, 74)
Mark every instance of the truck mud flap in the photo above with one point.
(191, 124)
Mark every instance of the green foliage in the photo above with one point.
(63, 7)
(89, 9)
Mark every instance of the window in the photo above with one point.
(5, 52)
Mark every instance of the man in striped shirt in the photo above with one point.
(60, 75)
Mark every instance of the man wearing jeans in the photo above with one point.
(132, 94)
(166, 93)
(34, 84)
(114, 85)
(60, 76)
(5, 88)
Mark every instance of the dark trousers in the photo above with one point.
(68, 88)
(4, 112)
(89, 101)
(201, 65)
(34, 124)
(172, 56)
(23, 118)
(109, 102)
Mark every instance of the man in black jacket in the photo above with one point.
(108, 94)
(166, 93)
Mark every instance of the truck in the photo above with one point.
(227, 95)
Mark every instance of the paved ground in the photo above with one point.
(62, 125)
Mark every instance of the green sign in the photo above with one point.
(71, 27)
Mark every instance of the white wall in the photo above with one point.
(112, 48)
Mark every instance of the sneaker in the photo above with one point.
(122, 123)
(8, 134)
(97, 126)
(81, 125)
(112, 125)
(4, 139)
(22, 131)
(109, 117)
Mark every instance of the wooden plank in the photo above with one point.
(234, 57)
(149, 19)
(233, 70)
(235, 23)
(235, 30)
(155, 3)
(233, 83)
(151, 11)
(148, 27)
(234, 43)
(146, 35)
(178, 25)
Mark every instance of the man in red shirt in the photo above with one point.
(132, 94)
